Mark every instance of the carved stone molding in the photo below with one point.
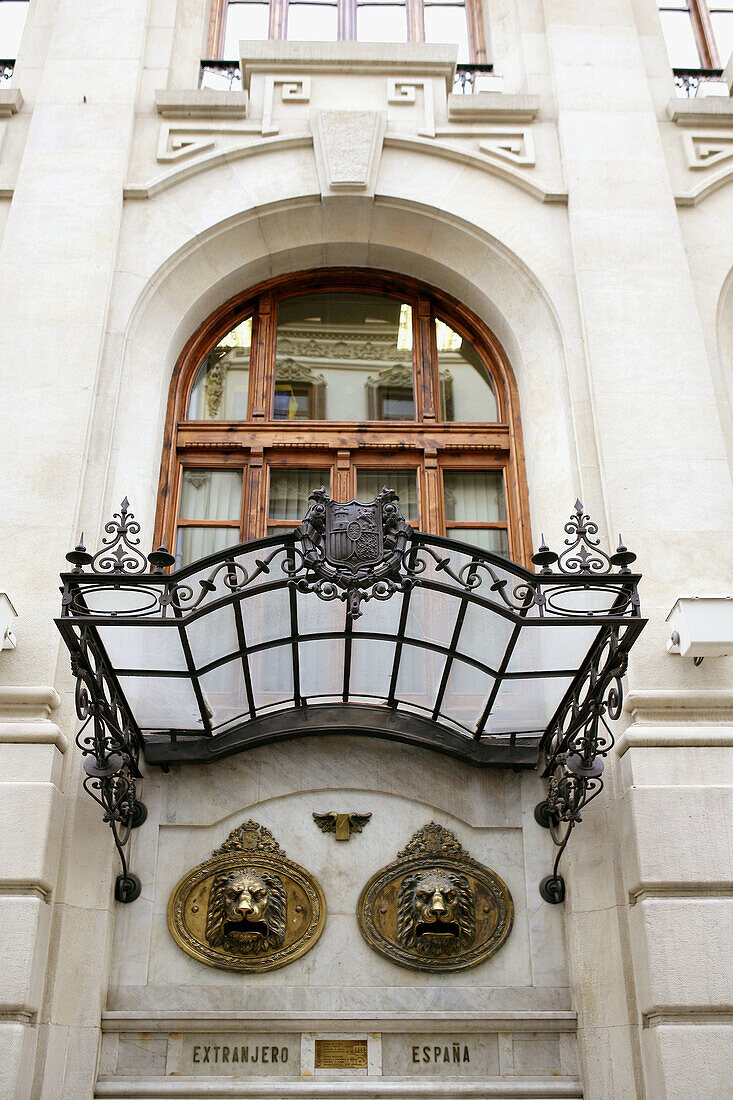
(348, 146)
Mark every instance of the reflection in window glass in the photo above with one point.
(369, 483)
(208, 495)
(312, 22)
(446, 22)
(246, 20)
(343, 357)
(466, 390)
(474, 498)
(380, 22)
(289, 491)
(220, 389)
(12, 21)
(679, 36)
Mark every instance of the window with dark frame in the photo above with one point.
(457, 21)
(350, 380)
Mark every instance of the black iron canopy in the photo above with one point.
(353, 623)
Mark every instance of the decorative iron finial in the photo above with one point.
(79, 556)
(623, 557)
(544, 557)
(160, 559)
(119, 553)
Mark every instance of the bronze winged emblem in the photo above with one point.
(343, 825)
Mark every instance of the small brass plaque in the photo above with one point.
(341, 1054)
(248, 907)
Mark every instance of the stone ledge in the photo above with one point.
(200, 103)
(347, 58)
(10, 102)
(402, 1088)
(29, 697)
(162, 1021)
(709, 111)
(492, 107)
(683, 707)
(33, 733)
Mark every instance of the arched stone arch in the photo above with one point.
(157, 314)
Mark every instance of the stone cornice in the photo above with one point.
(400, 59)
(200, 103)
(10, 102)
(492, 107)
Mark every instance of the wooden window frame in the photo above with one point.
(702, 29)
(426, 443)
(278, 24)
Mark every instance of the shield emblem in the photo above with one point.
(354, 533)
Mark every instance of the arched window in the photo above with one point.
(351, 380)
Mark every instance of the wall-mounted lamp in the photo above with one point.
(7, 614)
(701, 626)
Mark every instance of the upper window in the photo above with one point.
(351, 380)
(698, 33)
(453, 21)
(13, 15)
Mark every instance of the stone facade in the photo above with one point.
(586, 215)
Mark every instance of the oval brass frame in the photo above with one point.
(270, 858)
(434, 847)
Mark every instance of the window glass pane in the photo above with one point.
(723, 29)
(245, 22)
(193, 543)
(466, 390)
(312, 22)
(445, 23)
(211, 494)
(474, 496)
(12, 22)
(343, 357)
(289, 490)
(381, 23)
(678, 35)
(404, 482)
(494, 539)
(220, 389)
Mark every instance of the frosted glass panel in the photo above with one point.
(343, 357)
(225, 693)
(484, 636)
(213, 636)
(220, 389)
(369, 483)
(289, 490)
(523, 706)
(466, 390)
(381, 23)
(321, 668)
(371, 666)
(561, 647)
(466, 694)
(143, 647)
(312, 22)
(159, 702)
(272, 676)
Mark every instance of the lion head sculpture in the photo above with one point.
(247, 912)
(436, 913)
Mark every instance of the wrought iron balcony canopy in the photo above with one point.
(354, 623)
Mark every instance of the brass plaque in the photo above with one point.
(341, 1054)
(435, 908)
(248, 907)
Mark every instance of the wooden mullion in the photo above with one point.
(257, 496)
(702, 28)
(278, 19)
(262, 359)
(217, 27)
(476, 35)
(207, 522)
(425, 360)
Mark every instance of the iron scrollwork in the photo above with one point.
(579, 737)
(108, 738)
(354, 551)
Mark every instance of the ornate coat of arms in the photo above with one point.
(435, 908)
(354, 551)
(247, 907)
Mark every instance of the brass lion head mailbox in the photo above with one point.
(435, 908)
(248, 907)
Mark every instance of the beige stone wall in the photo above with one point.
(585, 217)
